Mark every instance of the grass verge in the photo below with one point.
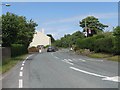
(105, 56)
(11, 63)
(99, 55)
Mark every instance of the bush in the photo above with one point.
(18, 49)
(104, 45)
(117, 40)
(97, 43)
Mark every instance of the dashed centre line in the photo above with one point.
(21, 68)
(20, 83)
(23, 64)
(24, 61)
(21, 74)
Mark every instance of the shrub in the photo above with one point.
(104, 45)
(117, 40)
(97, 43)
(18, 49)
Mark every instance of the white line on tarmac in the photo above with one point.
(20, 83)
(94, 60)
(29, 56)
(24, 61)
(70, 60)
(21, 74)
(69, 63)
(21, 68)
(86, 72)
(23, 64)
(114, 78)
(56, 57)
(65, 60)
(82, 60)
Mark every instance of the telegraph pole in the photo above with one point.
(85, 28)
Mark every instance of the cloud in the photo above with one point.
(105, 15)
(69, 25)
(77, 18)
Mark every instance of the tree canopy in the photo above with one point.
(116, 34)
(69, 40)
(17, 29)
(93, 24)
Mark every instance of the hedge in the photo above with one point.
(97, 43)
(18, 49)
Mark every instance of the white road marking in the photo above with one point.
(86, 72)
(56, 57)
(70, 60)
(21, 74)
(65, 60)
(23, 64)
(24, 61)
(114, 79)
(21, 68)
(29, 56)
(94, 60)
(82, 60)
(20, 83)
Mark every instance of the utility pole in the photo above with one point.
(85, 28)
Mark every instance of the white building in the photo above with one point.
(40, 39)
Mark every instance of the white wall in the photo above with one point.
(40, 39)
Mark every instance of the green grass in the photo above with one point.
(99, 55)
(11, 63)
(105, 56)
(114, 58)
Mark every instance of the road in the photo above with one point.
(62, 69)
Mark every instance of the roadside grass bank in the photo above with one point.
(11, 62)
(105, 56)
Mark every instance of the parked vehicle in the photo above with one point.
(52, 49)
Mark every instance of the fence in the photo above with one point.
(6, 53)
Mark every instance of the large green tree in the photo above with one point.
(92, 23)
(116, 34)
(69, 40)
(17, 29)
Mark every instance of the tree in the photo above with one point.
(92, 25)
(116, 33)
(9, 28)
(69, 40)
(75, 36)
(52, 39)
(17, 30)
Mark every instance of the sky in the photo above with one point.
(59, 18)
